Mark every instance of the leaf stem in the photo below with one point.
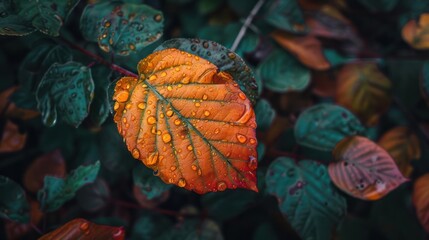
(99, 59)
(246, 24)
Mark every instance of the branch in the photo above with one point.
(246, 24)
(99, 59)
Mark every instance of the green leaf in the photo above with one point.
(334, 58)
(265, 114)
(32, 68)
(100, 106)
(57, 191)
(13, 202)
(322, 126)
(150, 226)
(223, 206)
(208, 6)
(306, 196)
(65, 91)
(220, 56)
(122, 28)
(379, 6)
(285, 15)
(151, 186)
(47, 16)
(11, 24)
(281, 72)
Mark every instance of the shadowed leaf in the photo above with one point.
(363, 169)
(416, 32)
(11, 24)
(421, 200)
(122, 28)
(424, 82)
(65, 91)
(82, 229)
(149, 185)
(57, 191)
(306, 196)
(189, 122)
(11, 139)
(11, 110)
(265, 114)
(323, 126)
(403, 145)
(13, 205)
(220, 56)
(100, 106)
(285, 15)
(94, 196)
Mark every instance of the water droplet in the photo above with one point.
(206, 113)
(221, 186)
(152, 78)
(141, 106)
(116, 106)
(216, 131)
(163, 74)
(122, 96)
(151, 120)
(169, 88)
(185, 80)
(242, 96)
(128, 106)
(157, 18)
(252, 141)
(177, 122)
(231, 55)
(205, 97)
(205, 44)
(155, 172)
(170, 180)
(136, 153)
(253, 163)
(152, 159)
(132, 46)
(172, 168)
(124, 120)
(241, 138)
(161, 115)
(84, 226)
(166, 138)
(107, 24)
(199, 172)
(194, 167)
(197, 104)
(190, 148)
(169, 113)
(181, 183)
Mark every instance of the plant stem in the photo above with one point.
(99, 59)
(246, 24)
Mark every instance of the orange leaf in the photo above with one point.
(416, 34)
(363, 169)
(12, 110)
(12, 140)
(403, 145)
(51, 164)
(85, 230)
(421, 200)
(189, 122)
(307, 49)
(364, 90)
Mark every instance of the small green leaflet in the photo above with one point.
(285, 15)
(57, 191)
(47, 16)
(220, 56)
(65, 91)
(151, 186)
(322, 126)
(13, 203)
(265, 114)
(122, 28)
(281, 72)
(306, 197)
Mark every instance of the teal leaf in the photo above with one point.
(65, 91)
(208, 6)
(100, 106)
(32, 68)
(242, 7)
(46, 16)
(285, 15)
(94, 196)
(150, 226)
(281, 72)
(11, 24)
(322, 126)
(223, 206)
(151, 186)
(121, 28)
(265, 114)
(220, 56)
(306, 197)
(334, 58)
(57, 191)
(13, 202)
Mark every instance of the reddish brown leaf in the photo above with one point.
(323, 83)
(12, 140)
(189, 122)
(364, 90)
(51, 164)
(363, 169)
(307, 49)
(421, 200)
(16, 230)
(12, 110)
(416, 34)
(85, 230)
(403, 145)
